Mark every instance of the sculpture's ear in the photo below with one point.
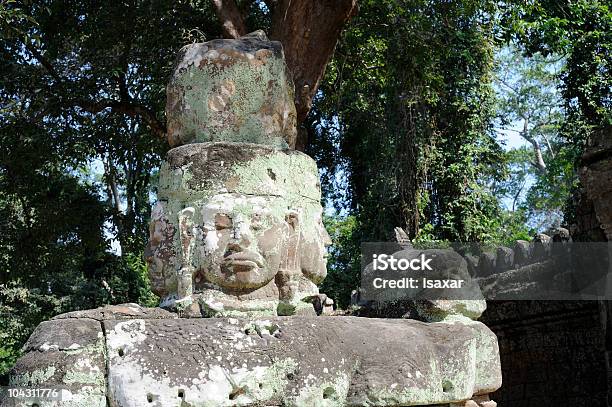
(291, 258)
(292, 217)
(187, 212)
(157, 211)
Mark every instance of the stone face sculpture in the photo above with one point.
(232, 90)
(240, 226)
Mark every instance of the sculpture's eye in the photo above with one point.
(292, 219)
(256, 221)
(222, 221)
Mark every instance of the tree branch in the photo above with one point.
(507, 129)
(538, 163)
(43, 61)
(231, 19)
(128, 108)
(108, 289)
(517, 196)
(124, 106)
(552, 152)
(506, 84)
(309, 31)
(112, 185)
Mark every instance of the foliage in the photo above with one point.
(21, 309)
(513, 187)
(76, 163)
(528, 93)
(581, 32)
(343, 267)
(403, 129)
(541, 177)
(407, 103)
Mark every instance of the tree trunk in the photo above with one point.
(309, 31)
(228, 13)
(539, 160)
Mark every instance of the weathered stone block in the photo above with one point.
(530, 281)
(66, 354)
(328, 361)
(121, 311)
(504, 259)
(522, 252)
(486, 264)
(472, 264)
(282, 361)
(560, 234)
(540, 247)
(232, 90)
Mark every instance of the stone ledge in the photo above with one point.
(283, 361)
(118, 312)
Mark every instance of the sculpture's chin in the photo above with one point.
(241, 274)
(316, 271)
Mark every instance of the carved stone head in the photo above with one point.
(231, 218)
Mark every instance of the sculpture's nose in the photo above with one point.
(239, 243)
(234, 247)
(241, 237)
(327, 241)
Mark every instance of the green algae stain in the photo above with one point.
(239, 101)
(39, 376)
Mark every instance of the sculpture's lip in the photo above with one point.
(243, 259)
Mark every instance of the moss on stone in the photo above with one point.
(39, 376)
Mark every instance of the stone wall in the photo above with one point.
(552, 353)
(596, 177)
(558, 353)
